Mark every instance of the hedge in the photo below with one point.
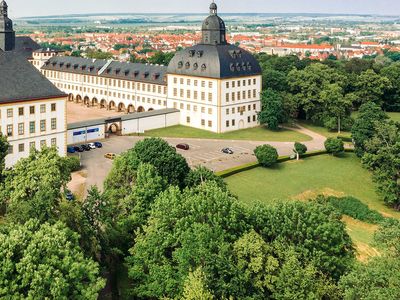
(281, 159)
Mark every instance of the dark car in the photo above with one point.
(227, 151)
(79, 149)
(98, 145)
(183, 146)
(71, 150)
(86, 147)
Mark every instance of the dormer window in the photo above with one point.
(68, 65)
(180, 65)
(203, 67)
(237, 66)
(76, 66)
(126, 72)
(117, 71)
(156, 76)
(146, 74)
(61, 64)
(54, 63)
(91, 68)
(187, 65)
(108, 71)
(199, 54)
(195, 66)
(136, 73)
(232, 67)
(192, 53)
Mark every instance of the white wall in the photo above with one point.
(149, 123)
(86, 134)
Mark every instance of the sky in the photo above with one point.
(21, 8)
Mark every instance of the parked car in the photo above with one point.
(98, 145)
(86, 147)
(227, 151)
(79, 149)
(110, 156)
(92, 146)
(69, 196)
(71, 150)
(183, 146)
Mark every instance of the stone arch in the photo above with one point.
(114, 128)
(121, 107)
(95, 102)
(141, 109)
(86, 101)
(111, 105)
(131, 109)
(71, 97)
(103, 103)
(241, 124)
(151, 109)
(78, 98)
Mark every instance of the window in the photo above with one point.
(249, 83)
(248, 119)
(233, 96)
(9, 113)
(227, 111)
(233, 84)
(188, 82)
(32, 145)
(203, 110)
(238, 95)
(188, 94)
(209, 123)
(210, 84)
(238, 83)
(244, 82)
(175, 80)
(10, 149)
(53, 142)
(181, 106)
(254, 118)
(21, 147)
(227, 86)
(20, 128)
(181, 80)
(203, 84)
(227, 97)
(182, 93)
(195, 94)
(210, 96)
(203, 96)
(254, 93)
(188, 107)
(244, 95)
(53, 107)
(32, 110)
(195, 83)
(188, 120)
(254, 106)
(227, 123)
(42, 143)
(42, 125)
(53, 124)
(9, 130)
(203, 122)
(210, 111)
(254, 81)
(175, 92)
(194, 107)
(233, 110)
(233, 122)
(249, 94)
(20, 111)
(42, 108)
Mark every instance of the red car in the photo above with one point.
(183, 146)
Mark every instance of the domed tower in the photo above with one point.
(7, 34)
(213, 29)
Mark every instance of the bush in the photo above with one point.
(299, 149)
(73, 163)
(334, 146)
(266, 155)
(354, 208)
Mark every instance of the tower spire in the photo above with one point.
(213, 9)
(7, 34)
(3, 8)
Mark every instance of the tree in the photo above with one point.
(371, 87)
(195, 288)
(3, 153)
(334, 146)
(45, 262)
(274, 80)
(364, 125)
(299, 149)
(201, 175)
(271, 109)
(33, 186)
(161, 58)
(169, 164)
(187, 230)
(337, 107)
(266, 155)
(382, 157)
(392, 97)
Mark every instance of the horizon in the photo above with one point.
(48, 8)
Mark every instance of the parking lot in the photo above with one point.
(202, 152)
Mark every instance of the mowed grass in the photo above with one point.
(322, 130)
(252, 134)
(395, 116)
(304, 179)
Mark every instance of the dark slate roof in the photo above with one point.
(25, 46)
(214, 61)
(110, 69)
(20, 81)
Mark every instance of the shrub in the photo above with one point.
(334, 146)
(266, 155)
(354, 208)
(73, 163)
(300, 149)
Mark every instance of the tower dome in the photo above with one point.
(7, 34)
(213, 29)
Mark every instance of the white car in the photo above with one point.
(92, 146)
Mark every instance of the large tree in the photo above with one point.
(371, 87)
(45, 262)
(364, 125)
(271, 113)
(392, 98)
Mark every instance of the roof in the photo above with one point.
(110, 69)
(126, 117)
(25, 46)
(21, 81)
(214, 61)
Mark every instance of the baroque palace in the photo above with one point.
(216, 86)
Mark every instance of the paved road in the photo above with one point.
(202, 152)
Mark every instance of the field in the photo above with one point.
(308, 178)
(322, 130)
(395, 116)
(253, 134)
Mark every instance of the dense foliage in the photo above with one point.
(266, 155)
(334, 146)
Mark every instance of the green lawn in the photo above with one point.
(307, 178)
(395, 116)
(322, 130)
(252, 134)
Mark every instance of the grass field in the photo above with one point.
(310, 177)
(252, 134)
(322, 130)
(395, 116)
